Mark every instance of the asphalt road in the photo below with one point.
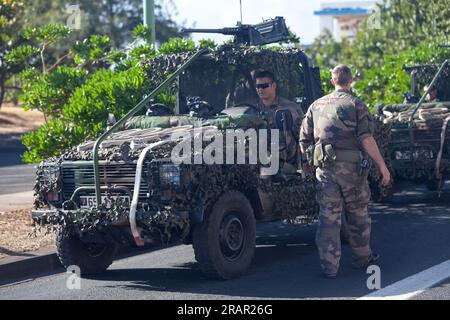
(411, 235)
(18, 178)
(15, 176)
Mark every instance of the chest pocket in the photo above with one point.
(347, 114)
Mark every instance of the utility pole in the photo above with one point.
(149, 18)
(240, 6)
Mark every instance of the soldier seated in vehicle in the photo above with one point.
(432, 95)
(269, 102)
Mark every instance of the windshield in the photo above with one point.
(223, 79)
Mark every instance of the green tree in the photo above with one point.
(9, 23)
(326, 51)
(387, 82)
(114, 18)
(408, 33)
(78, 92)
(403, 26)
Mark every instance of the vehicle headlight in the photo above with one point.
(49, 175)
(169, 174)
(50, 182)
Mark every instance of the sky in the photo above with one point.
(299, 15)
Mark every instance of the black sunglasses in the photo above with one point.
(263, 85)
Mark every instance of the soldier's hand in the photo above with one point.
(386, 176)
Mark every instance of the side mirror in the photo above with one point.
(284, 120)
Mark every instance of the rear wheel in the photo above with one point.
(91, 258)
(224, 243)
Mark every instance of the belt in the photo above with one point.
(348, 155)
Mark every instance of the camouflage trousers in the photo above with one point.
(341, 190)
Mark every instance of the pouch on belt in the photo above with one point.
(324, 155)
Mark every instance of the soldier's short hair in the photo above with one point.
(342, 74)
(265, 74)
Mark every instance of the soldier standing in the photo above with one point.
(337, 134)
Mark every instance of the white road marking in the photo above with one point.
(416, 284)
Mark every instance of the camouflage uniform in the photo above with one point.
(342, 121)
(289, 155)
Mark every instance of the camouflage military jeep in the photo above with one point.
(124, 188)
(415, 134)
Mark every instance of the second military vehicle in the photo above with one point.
(417, 131)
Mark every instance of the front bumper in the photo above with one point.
(81, 217)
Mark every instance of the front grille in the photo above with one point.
(79, 174)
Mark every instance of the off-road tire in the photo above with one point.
(224, 243)
(91, 259)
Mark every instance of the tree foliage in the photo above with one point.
(30, 21)
(387, 82)
(408, 33)
(115, 18)
(9, 24)
(78, 95)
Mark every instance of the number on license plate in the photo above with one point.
(91, 201)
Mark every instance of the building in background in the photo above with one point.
(344, 19)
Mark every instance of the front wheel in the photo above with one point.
(91, 258)
(224, 243)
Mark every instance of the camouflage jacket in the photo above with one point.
(338, 119)
(297, 116)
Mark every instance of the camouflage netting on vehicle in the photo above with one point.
(215, 75)
(293, 198)
(428, 115)
(425, 74)
(382, 135)
(431, 137)
(165, 214)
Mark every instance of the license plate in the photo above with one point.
(87, 202)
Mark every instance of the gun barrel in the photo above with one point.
(226, 31)
(444, 46)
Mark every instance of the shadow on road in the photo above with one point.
(410, 237)
(285, 267)
(11, 151)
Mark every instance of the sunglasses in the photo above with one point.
(263, 85)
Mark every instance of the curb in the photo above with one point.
(34, 263)
(31, 264)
